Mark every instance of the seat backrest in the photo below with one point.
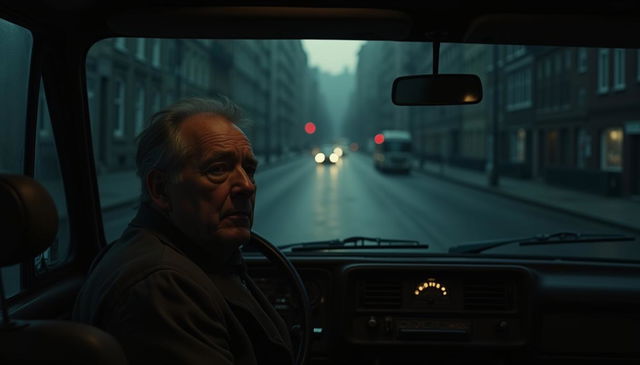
(29, 223)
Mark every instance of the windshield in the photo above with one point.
(396, 146)
(553, 147)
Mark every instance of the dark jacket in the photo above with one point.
(169, 302)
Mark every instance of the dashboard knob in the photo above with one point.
(388, 323)
(372, 322)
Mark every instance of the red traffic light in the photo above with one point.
(310, 128)
(379, 138)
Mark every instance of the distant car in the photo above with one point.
(341, 147)
(392, 151)
(340, 150)
(326, 155)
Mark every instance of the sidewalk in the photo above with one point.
(620, 212)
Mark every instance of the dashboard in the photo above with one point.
(409, 310)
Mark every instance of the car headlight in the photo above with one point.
(333, 158)
(338, 151)
(320, 157)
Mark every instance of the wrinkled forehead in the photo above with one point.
(207, 133)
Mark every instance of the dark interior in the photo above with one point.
(501, 309)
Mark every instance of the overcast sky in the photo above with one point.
(332, 56)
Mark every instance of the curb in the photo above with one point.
(523, 199)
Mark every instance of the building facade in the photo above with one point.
(566, 116)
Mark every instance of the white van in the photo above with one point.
(392, 151)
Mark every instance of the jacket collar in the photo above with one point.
(209, 259)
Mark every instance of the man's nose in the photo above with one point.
(242, 182)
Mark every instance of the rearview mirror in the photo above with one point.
(439, 89)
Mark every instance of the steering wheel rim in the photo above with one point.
(275, 256)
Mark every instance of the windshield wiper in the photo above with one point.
(357, 242)
(541, 239)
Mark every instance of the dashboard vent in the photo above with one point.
(381, 295)
(492, 296)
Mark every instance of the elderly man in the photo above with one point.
(173, 288)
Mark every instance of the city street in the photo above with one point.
(300, 201)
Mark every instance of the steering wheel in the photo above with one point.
(276, 257)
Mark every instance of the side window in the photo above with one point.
(15, 48)
(47, 172)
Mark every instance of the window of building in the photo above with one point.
(15, 48)
(118, 108)
(603, 71)
(611, 149)
(519, 90)
(582, 60)
(120, 44)
(518, 145)
(584, 146)
(140, 49)
(618, 69)
(139, 109)
(155, 53)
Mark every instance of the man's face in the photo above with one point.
(213, 200)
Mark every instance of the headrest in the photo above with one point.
(28, 219)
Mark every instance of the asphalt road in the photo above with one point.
(301, 201)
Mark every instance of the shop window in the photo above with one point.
(611, 149)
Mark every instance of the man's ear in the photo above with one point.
(157, 183)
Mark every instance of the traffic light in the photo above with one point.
(379, 138)
(310, 128)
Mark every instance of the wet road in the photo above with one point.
(301, 201)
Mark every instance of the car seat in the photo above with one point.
(29, 223)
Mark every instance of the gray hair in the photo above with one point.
(160, 146)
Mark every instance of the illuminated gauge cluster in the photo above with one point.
(431, 291)
(432, 285)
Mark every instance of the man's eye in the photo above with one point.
(217, 169)
(250, 170)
